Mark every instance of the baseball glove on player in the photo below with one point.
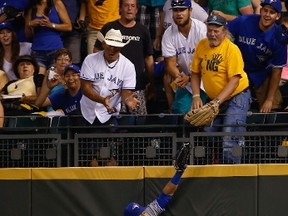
(182, 157)
(203, 115)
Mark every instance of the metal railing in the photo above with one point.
(33, 141)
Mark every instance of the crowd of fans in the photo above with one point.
(65, 57)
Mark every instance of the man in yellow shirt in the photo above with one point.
(218, 62)
(99, 13)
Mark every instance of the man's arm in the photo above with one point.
(273, 86)
(195, 86)
(149, 65)
(229, 88)
(159, 32)
(89, 92)
(171, 66)
(243, 10)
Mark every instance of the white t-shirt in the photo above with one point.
(197, 13)
(176, 44)
(106, 81)
(25, 49)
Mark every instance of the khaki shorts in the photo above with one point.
(261, 93)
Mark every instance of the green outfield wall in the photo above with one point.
(216, 190)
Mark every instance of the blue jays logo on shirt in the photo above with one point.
(115, 80)
(184, 50)
(99, 76)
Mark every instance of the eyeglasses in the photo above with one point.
(63, 59)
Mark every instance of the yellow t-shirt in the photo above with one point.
(99, 15)
(217, 65)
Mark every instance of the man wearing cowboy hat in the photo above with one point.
(142, 59)
(107, 78)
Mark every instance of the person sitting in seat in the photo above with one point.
(26, 70)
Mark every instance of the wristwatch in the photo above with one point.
(53, 25)
(217, 100)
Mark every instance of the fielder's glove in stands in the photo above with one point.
(203, 115)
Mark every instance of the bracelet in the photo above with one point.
(53, 25)
(196, 95)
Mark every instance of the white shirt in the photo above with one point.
(176, 44)
(106, 81)
(197, 13)
(25, 49)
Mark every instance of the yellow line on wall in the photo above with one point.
(15, 174)
(204, 171)
(93, 173)
(273, 169)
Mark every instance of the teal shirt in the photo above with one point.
(230, 7)
(152, 3)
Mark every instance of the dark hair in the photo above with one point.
(63, 51)
(23, 58)
(15, 50)
(47, 8)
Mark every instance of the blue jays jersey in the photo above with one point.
(260, 50)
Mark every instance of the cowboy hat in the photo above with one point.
(112, 38)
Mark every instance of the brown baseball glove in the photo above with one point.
(204, 115)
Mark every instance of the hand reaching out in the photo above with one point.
(132, 102)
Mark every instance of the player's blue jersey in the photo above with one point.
(260, 50)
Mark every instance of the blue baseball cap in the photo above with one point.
(73, 67)
(133, 209)
(276, 4)
(216, 19)
(181, 4)
(6, 25)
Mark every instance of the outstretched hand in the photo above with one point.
(107, 105)
(132, 102)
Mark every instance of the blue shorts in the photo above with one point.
(44, 58)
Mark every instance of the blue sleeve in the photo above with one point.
(163, 200)
(55, 100)
(279, 57)
(234, 26)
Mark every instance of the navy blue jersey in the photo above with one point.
(260, 50)
(69, 104)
